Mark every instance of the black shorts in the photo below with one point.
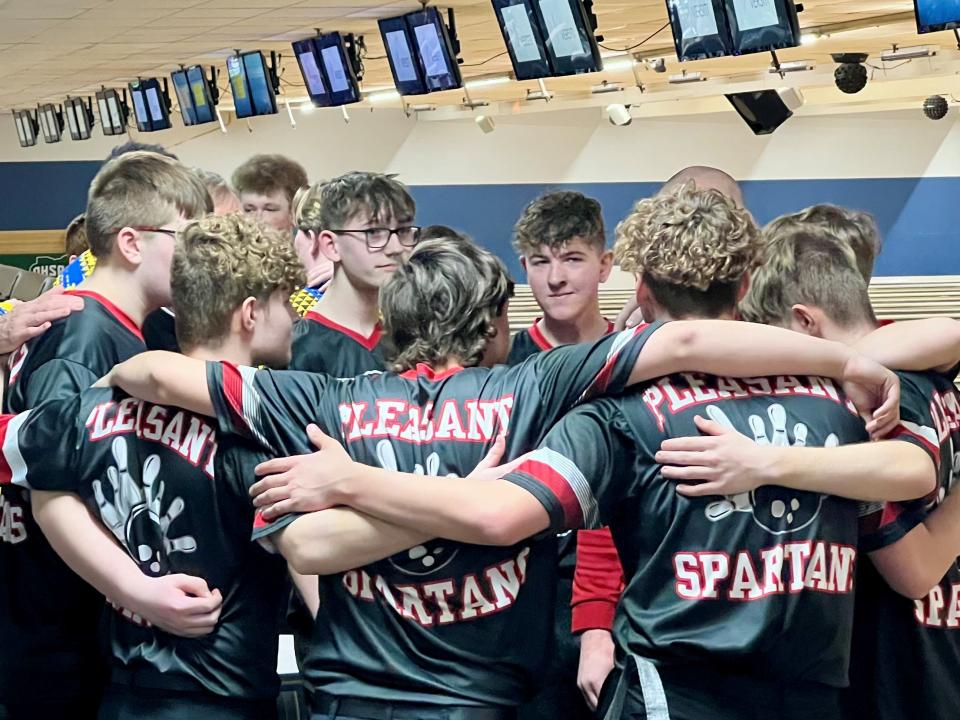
(700, 694)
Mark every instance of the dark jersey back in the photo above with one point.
(445, 622)
(761, 582)
(525, 343)
(177, 504)
(48, 635)
(160, 331)
(320, 345)
(906, 652)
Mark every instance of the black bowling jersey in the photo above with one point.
(177, 500)
(48, 630)
(762, 581)
(321, 345)
(906, 652)
(444, 623)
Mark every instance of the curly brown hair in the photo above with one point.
(442, 302)
(555, 218)
(220, 262)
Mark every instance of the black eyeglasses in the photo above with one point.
(378, 237)
(145, 228)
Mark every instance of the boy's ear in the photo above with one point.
(247, 314)
(129, 245)
(606, 265)
(328, 244)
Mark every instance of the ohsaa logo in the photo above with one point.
(49, 265)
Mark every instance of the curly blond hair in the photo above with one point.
(221, 261)
(689, 238)
(442, 302)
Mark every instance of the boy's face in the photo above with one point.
(273, 333)
(156, 255)
(272, 209)
(367, 265)
(566, 281)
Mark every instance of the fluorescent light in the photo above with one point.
(793, 66)
(809, 38)
(385, 96)
(487, 82)
(686, 77)
(307, 108)
(907, 53)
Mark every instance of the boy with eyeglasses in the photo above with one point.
(363, 223)
(50, 662)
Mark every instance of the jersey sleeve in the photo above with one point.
(575, 471)
(597, 581)
(884, 523)
(57, 379)
(575, 373)
(43, 448)
(273, 408)
(236, 467)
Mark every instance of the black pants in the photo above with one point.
(84, 708)
(121, 702)
(559, 697)
(702, 694)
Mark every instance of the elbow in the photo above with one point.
(914, 585)
(921, 478)
(497, 528)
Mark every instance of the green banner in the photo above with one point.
(48, 265)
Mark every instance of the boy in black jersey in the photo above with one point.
(444, 629)
(362, 222)
(173, 493)
(743, 604)
(49, 659)
(904, 651)
(562, 245)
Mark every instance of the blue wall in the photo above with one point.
(919, 218)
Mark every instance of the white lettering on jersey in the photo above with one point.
(792, 567)
(470, 421)
(441, 602)
(12, 529)
(189, 435)
(940, 608)
(698, 389)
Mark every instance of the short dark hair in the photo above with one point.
(133, 146)
(264, 174)
(555, 218)
(432, 232)
(328, 205)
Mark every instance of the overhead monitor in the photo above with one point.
(27, 128)
(51, 122)
(113, 112)
(309, 63)
(569, 35)
(150, 105)
(438, 59)
(404, 65)
(79, 118)
(193, 95)
(762, 25)
(204, 93)
(765, 110)
(251, 83)
(524, 38)
(937, 15)
(700, 29)
(338, 68)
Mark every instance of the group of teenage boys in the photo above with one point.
(697, 487)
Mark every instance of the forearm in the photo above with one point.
(86, 546)
(165, 378)
(339, 539)
(480, 512)
(919, 560)
(307, 589)
(738, 349)
(918, 345)
(891, 470)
